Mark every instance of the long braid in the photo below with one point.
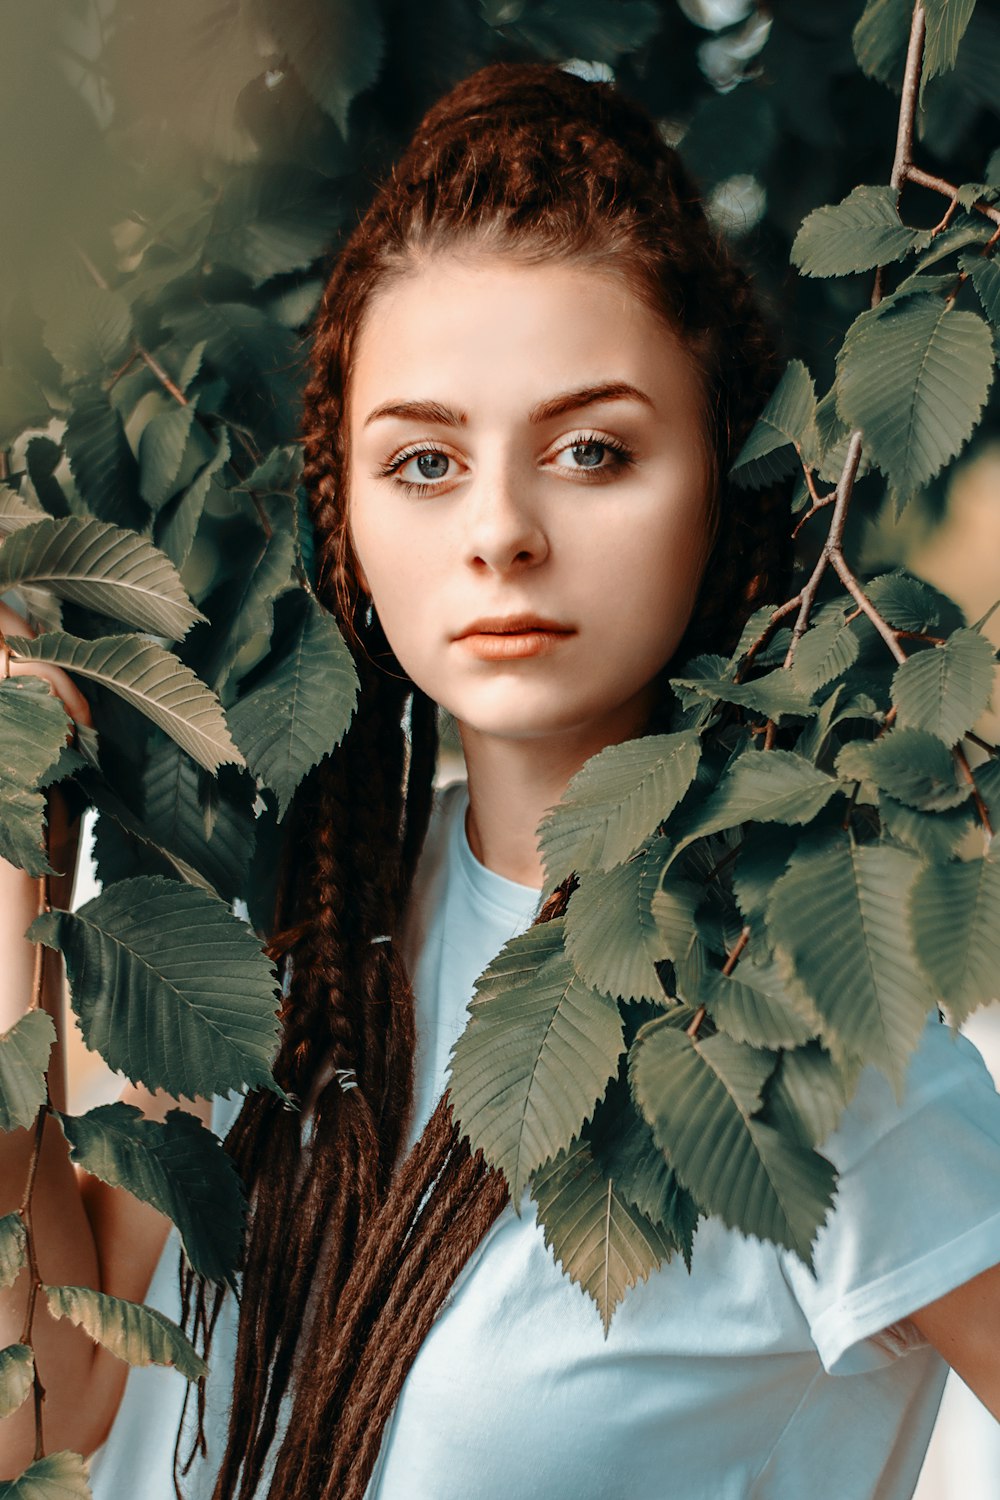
(530, 161)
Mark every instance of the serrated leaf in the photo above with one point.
(161, 452)
(101, 461)
(699, 1098)
(914, 379)
(151, 680)
(242, 607)
(89, 330)
(773, 695)
(946, 25)
(985, 275)
(762, 859)
(955, 919)
(935, 835)
(946, 689)
(272, 219)
(673, 907)
(911, 765)
(24, 1057)
(615, 802)
(762, 786)
(611, 934)
(176, 524)
(13, 1248)
(905, 602)
(807, 1095)
(880, 39)
(535, 1055)
(103, 568)
(302, 705)
(837, 918)
(58, 1476)
(623, 1148)
(825, 652)
(600, 1239)
(17, 1372)
(171, 988)
(752, 1005)
(857, 234)
(176, 1165)
(336, 49)
(175, 812)
(140, 1335)
(33, 730)
(788, 417)
(16, 512)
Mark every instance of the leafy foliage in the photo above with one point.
(955, 915)
(17, 1369)
(24, 1056)
(13, 1253)
(862, 232)
(945, 690)
(57, 1476)
(33, 728)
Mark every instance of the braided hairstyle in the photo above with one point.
(351, 1247)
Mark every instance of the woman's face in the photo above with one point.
(528, 491)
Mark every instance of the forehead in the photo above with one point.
(497, 334)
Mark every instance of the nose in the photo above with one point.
(505, 532)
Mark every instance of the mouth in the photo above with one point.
(513, 637)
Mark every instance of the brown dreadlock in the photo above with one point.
(351, 1251)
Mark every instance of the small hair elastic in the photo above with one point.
(384, 937)
(347, 1078)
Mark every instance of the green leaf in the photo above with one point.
(600, 1239)
(807, 1095)
(935, 835)
(301, 706)
(17, 1373)
(788, 417)
(880, 39)
(24, 1057)
(161, 452)
(825, 652)
(103, 568)
(178, 1166)
(58, 1476)
(535, 1056)
(13, 1249)
(773, 695)
(611, 934)
(955, 919)
(752, 1005)
(861, 232)
(140, 1335)
(699, 1098)
(946, 24)
(33, 729)
(189, 816)
(17, 512)
(89, 331)
(615, 802)
(623, 1147)
(242, 607)
(273, 219)
(911, 765)
(22, 404)
(946, 689)
(151, 680)
(838, 921)
(673, 907)
(170, 987)
(905, 602)
(336, 48)
(914, 379)
(985, 276)
(101, 461)
(176, 524)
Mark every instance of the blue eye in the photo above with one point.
(588, 455)
(595, 455)
(432, 465)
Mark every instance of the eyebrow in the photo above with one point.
(546, 411)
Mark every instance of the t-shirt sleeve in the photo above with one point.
(917, 1211)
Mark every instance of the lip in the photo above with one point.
(513, 637)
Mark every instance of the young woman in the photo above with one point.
(532, 367)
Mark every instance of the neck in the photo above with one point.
(514, 782)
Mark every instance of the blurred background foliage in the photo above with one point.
(175, 179)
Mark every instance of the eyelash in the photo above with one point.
(623, 456)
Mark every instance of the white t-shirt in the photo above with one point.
(746, 1379)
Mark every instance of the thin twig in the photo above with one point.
(920, 178)
(35, 1279)
(977, 797)
(976, 739)
(730, 964)
(903, 160)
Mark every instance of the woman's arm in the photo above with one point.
(964, 1327)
